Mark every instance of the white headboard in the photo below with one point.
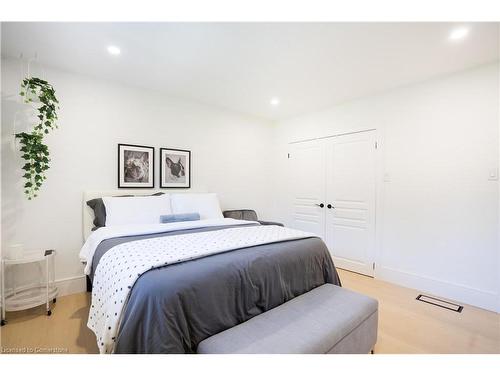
(88, 213)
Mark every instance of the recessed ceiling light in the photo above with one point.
(114, 50)
(459, 33)
(275, 101)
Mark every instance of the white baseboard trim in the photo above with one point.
(71, 285)
(484, 299)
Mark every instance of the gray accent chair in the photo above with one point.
(247, 215)
(327, 320)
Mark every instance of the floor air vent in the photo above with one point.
(440, 303)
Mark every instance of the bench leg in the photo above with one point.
(372, 352)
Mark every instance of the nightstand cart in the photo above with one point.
(26, 297)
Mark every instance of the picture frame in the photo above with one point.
(136, 166)
(175, 168)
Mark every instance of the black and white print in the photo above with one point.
(175, 168)
(135, 166)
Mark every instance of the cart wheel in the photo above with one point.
(49, 313)
(54, 300)
(4, 322)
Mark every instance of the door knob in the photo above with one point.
(330, 206)
(320, 205)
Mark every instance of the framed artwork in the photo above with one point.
(175, 168)
(136, 166)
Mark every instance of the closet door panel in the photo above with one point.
(350, 190)
(306, 184)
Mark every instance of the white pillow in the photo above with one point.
(136, 210)
(206, 204)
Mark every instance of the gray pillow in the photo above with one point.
(99, 208)
(174, 218)
(241, 214)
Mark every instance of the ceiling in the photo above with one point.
(241, 66)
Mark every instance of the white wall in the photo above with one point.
(230, 156)
(437, 225)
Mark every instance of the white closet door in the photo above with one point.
(350, 200)
(307, 186)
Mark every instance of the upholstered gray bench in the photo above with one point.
(328, 319)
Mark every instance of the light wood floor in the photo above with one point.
(405, 325)
(410, 326)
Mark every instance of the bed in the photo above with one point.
(164, 288)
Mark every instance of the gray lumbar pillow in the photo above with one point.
(179, 217)
(99, 208)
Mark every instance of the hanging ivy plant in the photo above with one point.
(34, 151)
